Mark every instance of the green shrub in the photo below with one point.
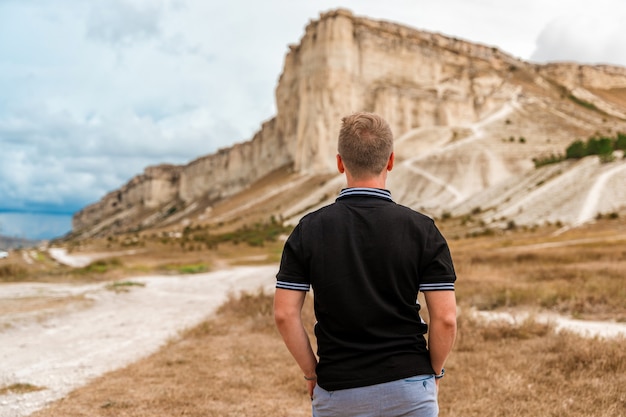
(193, 268)
(583, 103)
(601, 146)
(101, 266)
(620, 142)
(576, 150)
(255, 235)
(122, 286)
(552, 159)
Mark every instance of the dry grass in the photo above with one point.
(581, 277)
(19, 389)
(528, 370)
(551, 280)
(236, 365)
(115, 261)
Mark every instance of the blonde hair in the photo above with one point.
(365, 144)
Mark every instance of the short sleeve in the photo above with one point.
(437, 268)
(293, 272)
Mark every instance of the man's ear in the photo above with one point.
(390, 162)
(340, 166)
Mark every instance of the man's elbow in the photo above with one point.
(283, 317)
(449, 323)
(287, 307)
(446, 321)
(280, 318)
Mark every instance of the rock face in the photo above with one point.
(158, 184)
(414, 78)
(458, 110)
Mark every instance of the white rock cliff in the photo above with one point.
(458, 110)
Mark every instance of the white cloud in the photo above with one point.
(123, 22)
(583, 38)
(47, 157)
(93, 92)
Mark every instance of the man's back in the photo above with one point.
(365, 258)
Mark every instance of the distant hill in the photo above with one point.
(7, 242)
(469, 121)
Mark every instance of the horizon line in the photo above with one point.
(40, 211)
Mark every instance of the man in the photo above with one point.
(366, 259)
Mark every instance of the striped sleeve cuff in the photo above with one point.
(293, 286)
(439, 286)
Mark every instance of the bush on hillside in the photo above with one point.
(576, 150)
(620, 142)
(601, 146)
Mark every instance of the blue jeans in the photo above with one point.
(409, 397)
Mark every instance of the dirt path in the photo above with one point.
(589, 209)
(478, 133)
(108, 329)
(585, 328)
(81, 260)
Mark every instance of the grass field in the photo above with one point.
(234, 364)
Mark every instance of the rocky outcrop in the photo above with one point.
(571, 75)
(231, 170)
(158, 184)
(476, 96)
(413, 78)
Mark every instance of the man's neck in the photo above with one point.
(366, 183)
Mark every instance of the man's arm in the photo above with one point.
(442, 326)
(287, 314)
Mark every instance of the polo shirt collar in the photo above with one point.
(365, 192)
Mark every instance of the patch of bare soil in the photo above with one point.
(232, 365)
(112, 325)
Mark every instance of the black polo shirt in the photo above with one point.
(366, 258)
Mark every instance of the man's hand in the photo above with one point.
(310, 386)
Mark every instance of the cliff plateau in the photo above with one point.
(468, 120)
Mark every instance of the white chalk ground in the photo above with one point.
(64, 350)
(585, 328)
(81, 260)
(67, 349)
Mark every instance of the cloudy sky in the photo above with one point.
(92, 92)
